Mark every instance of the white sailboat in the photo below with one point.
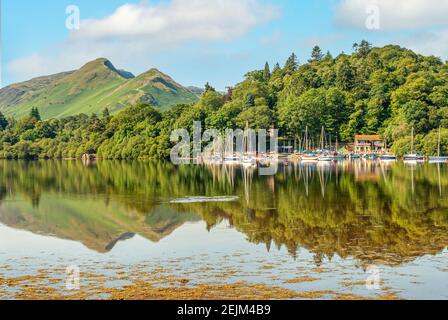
(413, 158)
(387, 158)
(308, 156)
(324, 157)
(249, 158)
(336, 156)
(230, 158)
(439, 158)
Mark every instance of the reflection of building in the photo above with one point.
(369, 144)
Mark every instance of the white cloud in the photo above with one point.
(181, 20)
(428, 43)
(394, 14)
(136, 32)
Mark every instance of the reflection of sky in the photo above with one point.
(224, 248)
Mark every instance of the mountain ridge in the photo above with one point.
(92, 88)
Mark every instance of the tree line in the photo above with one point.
(386, 91)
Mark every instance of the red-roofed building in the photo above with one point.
(366, 144)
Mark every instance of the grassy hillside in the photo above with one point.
(152, 87)
(90, 89)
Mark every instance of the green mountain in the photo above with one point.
(95, 86)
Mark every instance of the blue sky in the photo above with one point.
(196, 41)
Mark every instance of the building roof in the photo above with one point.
(368, 137)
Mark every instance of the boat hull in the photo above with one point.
(438, 159)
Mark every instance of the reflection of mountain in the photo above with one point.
(97, 225)
(395, 217)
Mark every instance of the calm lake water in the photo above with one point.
(327, 223)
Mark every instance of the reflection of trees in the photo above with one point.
(376, 213)
(330, 211)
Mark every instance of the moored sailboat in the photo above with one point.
(324, 157)
(308, 156)
(413, 158)
(439, 158)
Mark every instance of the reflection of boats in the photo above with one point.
(439, 158)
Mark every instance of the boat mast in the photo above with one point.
(412, 141)
(322, 138)
(306, 139)
(438, 147)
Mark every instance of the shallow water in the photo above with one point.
(309, 228)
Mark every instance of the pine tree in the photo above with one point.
(106, 113)
(363, 48)
(328, 56)
(316, 54)
(208, 87)
(267, 72)
(276, 69)
(3, 122)
(291, 64)
(35, 114)
(250, 101)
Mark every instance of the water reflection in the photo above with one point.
(375, 212)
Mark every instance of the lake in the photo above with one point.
(347, 230)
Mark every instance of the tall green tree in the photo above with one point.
(345, 74)
(291, 64)
(3, 122)
(316, 54)
(35, 114)
(266, 72)
(106, 113)
(363, 48)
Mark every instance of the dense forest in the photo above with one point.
(387, 90)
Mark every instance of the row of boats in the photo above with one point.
(246, 160)
(381, 157)
(323, 155)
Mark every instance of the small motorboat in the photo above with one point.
(325, 158)
(335, 156)
(438, 160)
(310, 157)
(371, 156)
(388, 157)
(232, 160)
(414, 159)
